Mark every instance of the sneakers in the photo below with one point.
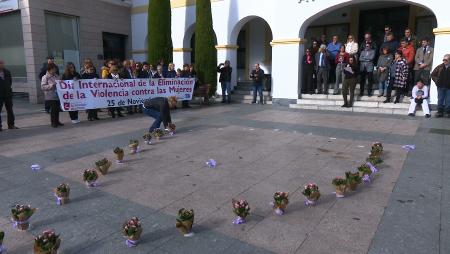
(427, 115)
(75, 121)
(13, 127)
(411, 114)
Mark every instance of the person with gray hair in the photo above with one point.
(6, 95)
(225, 71)
(441, 76)
(322, 69)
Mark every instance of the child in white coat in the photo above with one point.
(419, 97)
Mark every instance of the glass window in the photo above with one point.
(62, 39)
(11, 46)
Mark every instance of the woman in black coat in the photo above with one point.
(71, 74)
(308, 71)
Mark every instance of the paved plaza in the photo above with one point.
(259, 150)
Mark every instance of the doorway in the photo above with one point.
(114, 46)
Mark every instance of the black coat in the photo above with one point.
(225, 73)
(89, 75)
(125, 74)
(160, 104)
(6, 85)
(170, 74)
(75, 76)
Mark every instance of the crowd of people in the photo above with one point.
(112, 69)
(400, 65)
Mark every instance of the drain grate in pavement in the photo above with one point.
(440, 131)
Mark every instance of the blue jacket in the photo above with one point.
(333, 49)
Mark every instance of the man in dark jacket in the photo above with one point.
(6, 95)
(441, 76)
(225, 71)
(159, 109)
(257, 76)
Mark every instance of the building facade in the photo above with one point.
(68, 30)
(276, 33)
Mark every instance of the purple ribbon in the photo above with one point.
(35, 168)
(366, 178)
(2, 249)
(409, 147)
(92, 184)
(278, 211)
(310, 202)
(239, 220)
(58, 200)
(211, 163)
(119, 161)
(130, 243)
(372, 167)
(16, 223)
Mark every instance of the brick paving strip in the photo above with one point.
(260, 150)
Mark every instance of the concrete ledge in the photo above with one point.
(283, 102)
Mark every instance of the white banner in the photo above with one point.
(104, 93)
(8, 5)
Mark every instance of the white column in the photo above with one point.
(285, 70)
(181, 56)
(441, 43)
(227, 52)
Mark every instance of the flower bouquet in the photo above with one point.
(281, 200)
(2, 235)
(365, 172)
(147, 138)
(134, 144)
(241, 209)
(157, 134)
(20, 215)
(353, 179)
(170, 129)
(90, 177)
(119, 154)
(311, 193)
(103, 166)
(374, 160)
(132, 230)
(185, 220)
(341, 186)
(377, 149)
(47, 243)
(62, 194)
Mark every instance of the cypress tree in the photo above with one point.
(205, 50)
(159, 31)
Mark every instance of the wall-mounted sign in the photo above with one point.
(8, 5)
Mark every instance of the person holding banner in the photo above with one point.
(114, 74)
(90, 74)
(159, 109)
(48, 86)
(71, 74)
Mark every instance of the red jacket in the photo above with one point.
(408, 53)
(346, 57)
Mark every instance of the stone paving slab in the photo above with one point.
(259, 150)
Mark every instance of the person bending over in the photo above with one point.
(159, 109)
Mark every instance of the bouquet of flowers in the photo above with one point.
(353, 179)
(62, 194)
(103, 166)
(119, 154)
(90, 177)
(158, 133)
(170, 129)
(241, 209)
(312, 194)
(374, 160)
(47, 243)
(365, 172)
(132, 230)
(2, 235)
(20, 215)
(341, 185)
(133, 146)
(377, 149)
(147, 138)
(185, 220)
(281, 200)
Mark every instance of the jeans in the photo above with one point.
(9, 111)
(154, 114)
(258, 88)
(443, 100)
(382, 88)
(339, 74)
(226, 87)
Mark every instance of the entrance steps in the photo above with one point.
(243, 93)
